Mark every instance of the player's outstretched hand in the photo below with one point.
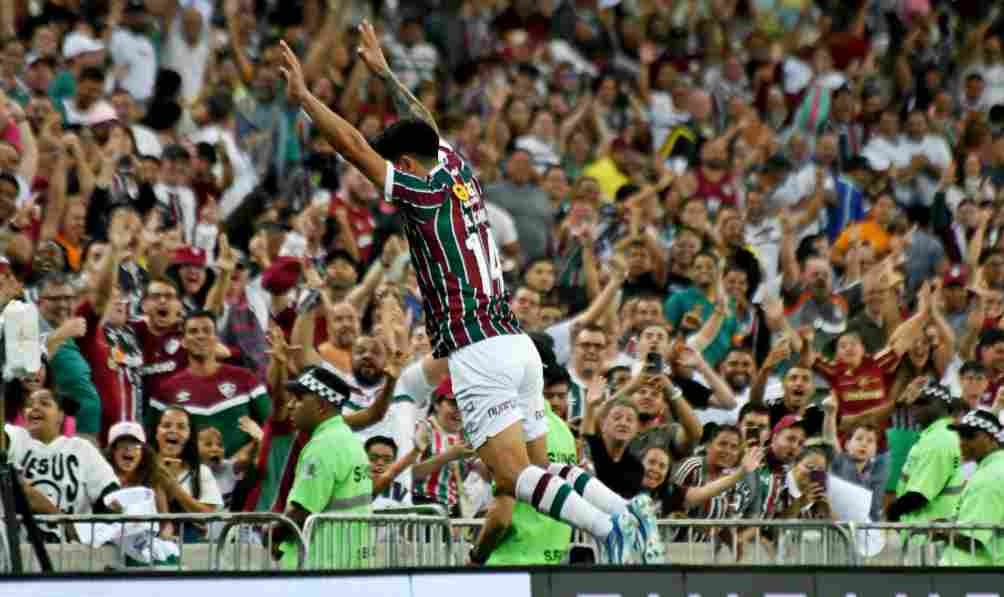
(370, 52)
(296, 86)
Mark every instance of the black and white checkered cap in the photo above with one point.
(321, 381)
(936, 391)
(982, 420)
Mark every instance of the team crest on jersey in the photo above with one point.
(183, 396)
(461, 192)
(172, 346)
(228, 389)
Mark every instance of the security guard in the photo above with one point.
(931, 481)
(332, 474)
(980, 436)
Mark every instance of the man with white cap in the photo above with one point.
(80, 51)
(980, 437)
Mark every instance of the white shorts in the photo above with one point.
(498, 382)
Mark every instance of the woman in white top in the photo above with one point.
(177, 445)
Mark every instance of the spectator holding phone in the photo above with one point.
(804, 494)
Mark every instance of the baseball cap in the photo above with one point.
(126, 429)
(444, 391)
(980, 420)
(957, 275)
(77, 43)
(282, 275)
(787, 422)
(102, 113)
(193, 256)
(321, 381)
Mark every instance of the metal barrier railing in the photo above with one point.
(424, 537)
(344, 542)
(912, 545)
(215, 541)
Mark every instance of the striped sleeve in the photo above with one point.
(688, 475)
(406, 189)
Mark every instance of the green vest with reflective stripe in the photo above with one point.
(535, 538)
(336, 463)
(936, 443)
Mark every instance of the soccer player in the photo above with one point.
(532, 538)
(495, 369)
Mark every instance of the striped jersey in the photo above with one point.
(453, 252)
(733, 503)
(441, 486)
(218, 400)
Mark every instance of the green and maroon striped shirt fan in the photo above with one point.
(453, 253)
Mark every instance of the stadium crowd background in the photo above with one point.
(761, 238)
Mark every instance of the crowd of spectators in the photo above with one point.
(762, 239)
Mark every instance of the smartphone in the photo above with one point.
(653, 363)
(818, 477)
(309, 302)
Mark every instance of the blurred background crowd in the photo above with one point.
(758, 242)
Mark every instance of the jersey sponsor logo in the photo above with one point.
(501, 409)
(182, 396)
(56, 476)
(227, 389)
(172, 346)
(156, 368)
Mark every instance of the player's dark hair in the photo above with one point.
(381, 440)
(408, 137)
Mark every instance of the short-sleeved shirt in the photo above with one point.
(453, 252)
(932, 470)
(163, 356)
(332, 475)
(533, 538)
(624, 476)
(679, 303)
(862, 388)
(69, 471)
(982, 502)
(218, 400)
(734, 503)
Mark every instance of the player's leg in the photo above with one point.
(498, 519)
(485, 379)
(535, 428)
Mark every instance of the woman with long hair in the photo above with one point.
(188, 484)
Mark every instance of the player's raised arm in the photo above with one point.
(344, 137)
(405, 102)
